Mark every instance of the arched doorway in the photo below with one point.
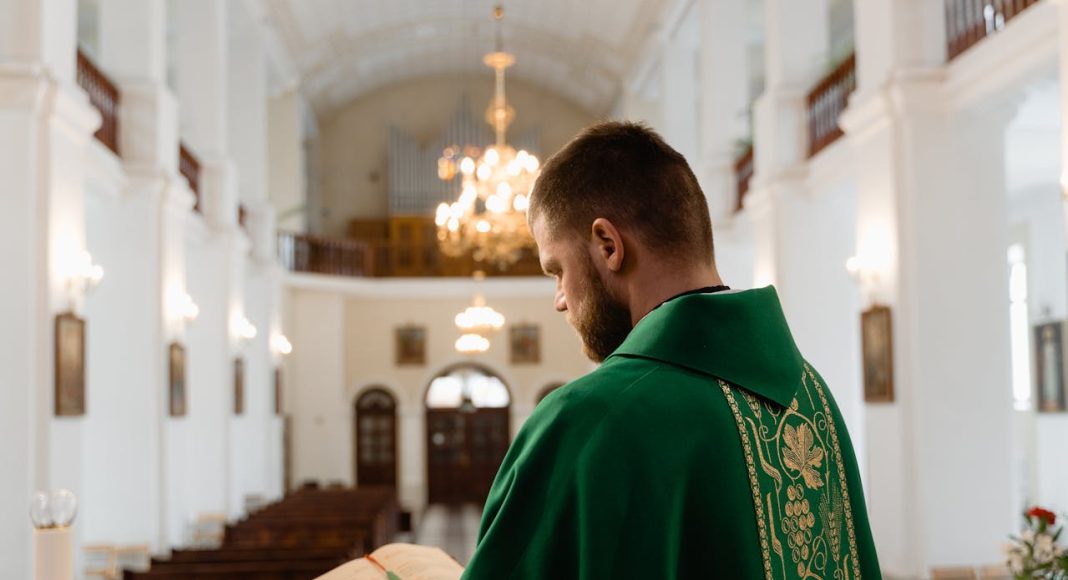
(467, 426)
(375, 436)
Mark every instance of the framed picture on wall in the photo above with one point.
(176, 389)
(525, 340)
(70, 365)
(411, 345)
(239, 386)
(877, 345)
(1049, 368)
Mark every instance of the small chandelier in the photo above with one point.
(477, 323)
(489, 218)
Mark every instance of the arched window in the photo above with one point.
(376, 438)
(467, 385)
(467, 420)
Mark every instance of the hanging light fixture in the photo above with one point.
(489, 218)
(477, 323)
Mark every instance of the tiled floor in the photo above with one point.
(451, 528)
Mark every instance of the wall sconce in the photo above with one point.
(281, 344)
(864, 274)
(85, 275)
(246, 331)
(187, 308)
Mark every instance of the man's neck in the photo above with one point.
(654, 290)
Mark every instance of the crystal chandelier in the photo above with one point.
(489, 218)
(477, 323)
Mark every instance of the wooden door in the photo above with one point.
(464, 452)
(376, 439)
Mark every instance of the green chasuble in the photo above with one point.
(704, 447)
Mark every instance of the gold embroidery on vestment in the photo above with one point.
(753, 482)
(795, 447)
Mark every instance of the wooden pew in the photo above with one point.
(306, 534)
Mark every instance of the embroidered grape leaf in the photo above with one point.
(801, 454)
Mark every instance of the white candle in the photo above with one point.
(53, 554)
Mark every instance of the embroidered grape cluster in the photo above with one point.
(798, 523)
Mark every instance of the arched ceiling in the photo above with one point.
(341, 49)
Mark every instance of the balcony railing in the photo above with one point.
(826, 101)
(743, 174)
(335, 256)
(348, 257)
(189, 167)
(104, 96)
(969, 21)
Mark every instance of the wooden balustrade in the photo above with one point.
(825, 104)
(189, 167)
(320, 255)
(743, 174)
(104, 96)
(383, 259)
(969, 21)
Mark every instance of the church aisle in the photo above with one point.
(453, 528)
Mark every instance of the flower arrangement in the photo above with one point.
(1035, 553)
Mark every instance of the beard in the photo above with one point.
(603, 322)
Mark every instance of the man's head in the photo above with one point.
(620, 222)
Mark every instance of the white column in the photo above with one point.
(203, 84)
(920, 167)
(42, 33)
(795, 57)
(724, 102)
(247, 145)
(1051, 429)
(203, 81)
(285, 153)
(680, 86)
(1063, 63)
(795, 50)
(724, 94)
(154, 203)
(45, 127)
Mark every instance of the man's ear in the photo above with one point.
(607, 244)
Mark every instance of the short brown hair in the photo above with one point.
(626, 173)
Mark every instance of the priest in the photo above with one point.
(705, 445)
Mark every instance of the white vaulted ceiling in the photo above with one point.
(581, 49)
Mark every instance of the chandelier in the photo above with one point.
(490, 217)
(477, 323)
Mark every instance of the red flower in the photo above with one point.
(1042, 514)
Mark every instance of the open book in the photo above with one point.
(399, 562)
